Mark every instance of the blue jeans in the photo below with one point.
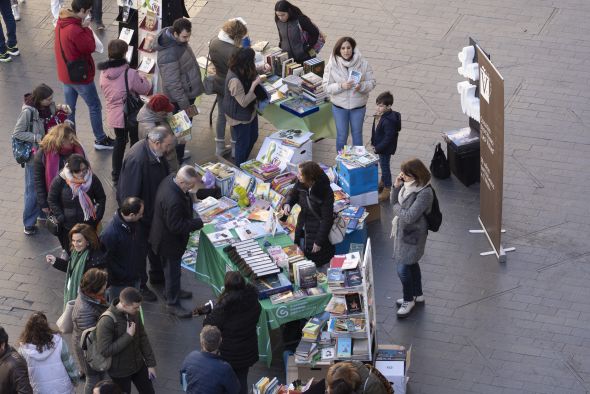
(384, 161)
(346, 119)
(32, 210)
(6, 11)
(246, 136)
(411, 279)
(90, 97)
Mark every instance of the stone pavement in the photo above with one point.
(520, 327)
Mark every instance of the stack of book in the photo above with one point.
(294, 253)
(283, 183)
(266, 386)
(211, 207)
(313, 90)
(315, 65)
(278, 255)
(354, 217)
(293, 68)
(305, 352)
(292, 137)
(273, 285)
(305, 274)
(341, 199)
(262, 171)
(314, 326)
(356, 157)
(221, 238)
(294, 83)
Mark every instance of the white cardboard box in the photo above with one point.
(285, 154)
(395, 371)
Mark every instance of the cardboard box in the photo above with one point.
(374, 213)
(393, 361)
(365, 199)
(284, 154)
(357, 181)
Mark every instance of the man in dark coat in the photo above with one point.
(205, 371)
(126, 243)
(143, 169)
(315, 197)
(14, 375)
(171, 227)
(172, 10)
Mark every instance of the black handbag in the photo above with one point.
(77, 69)
(53, 225)
(131, 107)
(439, 165)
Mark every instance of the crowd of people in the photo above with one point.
(106, 266)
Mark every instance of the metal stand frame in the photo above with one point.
(501, 254)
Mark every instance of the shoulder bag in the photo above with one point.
(53, 225)
(22, 150)
(77, 69)
(338, 229)
(131, 106)
(209, 82)
(65, 323)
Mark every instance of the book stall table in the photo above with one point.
(213, 263)
(321, 123)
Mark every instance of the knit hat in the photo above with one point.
(160, 103)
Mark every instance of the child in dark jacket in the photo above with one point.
(386, 127)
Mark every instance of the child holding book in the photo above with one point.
(386, 126)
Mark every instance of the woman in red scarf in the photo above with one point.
(76, 196)
(55, 148)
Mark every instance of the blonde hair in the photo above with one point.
(57, 136)
(235, 29)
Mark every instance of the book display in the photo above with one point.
(346, 329)
(128, 28)
(148, 25)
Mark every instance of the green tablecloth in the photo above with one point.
(213, 263)
(320, 123)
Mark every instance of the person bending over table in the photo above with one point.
(314, 195)
(297, 33)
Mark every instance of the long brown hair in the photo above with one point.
(88, 232)
(37, 332)
(57, 136)
(311, 172)
(417, 170)
(338, 45)
(93, 281)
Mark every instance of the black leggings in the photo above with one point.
(140, 380)
(122, 137)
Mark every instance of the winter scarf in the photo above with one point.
(74, 275)
(342, 67)
(80, 189)
(52, 160)
(407, 189)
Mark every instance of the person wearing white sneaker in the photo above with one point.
(411, 199)
(15, 9)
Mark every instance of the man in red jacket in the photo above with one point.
(74, 40)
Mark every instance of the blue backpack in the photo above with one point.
(22, 150)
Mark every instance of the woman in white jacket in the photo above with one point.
(348, 80)
(51, 367)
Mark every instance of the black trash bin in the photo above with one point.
(463, 154)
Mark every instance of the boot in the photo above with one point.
(385, 194)
(220, 148)
(381, 186)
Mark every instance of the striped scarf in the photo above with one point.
(80, 189)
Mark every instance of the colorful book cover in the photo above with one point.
(343, 347)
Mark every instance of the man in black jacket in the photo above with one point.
(143, 169)
(14, 375)
(126, 244)
(171, 226)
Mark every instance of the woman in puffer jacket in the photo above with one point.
(90, 304)
(76, 196)
(112, 83)
(51, 367)
(348, 80)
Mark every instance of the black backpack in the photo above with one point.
(434, 217)
(439, 166)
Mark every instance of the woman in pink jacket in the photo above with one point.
(112, 83)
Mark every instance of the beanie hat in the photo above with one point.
(160, 103)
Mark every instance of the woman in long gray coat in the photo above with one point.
(412, 198)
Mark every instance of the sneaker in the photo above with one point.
(405, 309)
(5, 57)
(30, 230)
(100, 26)
(418, 299)
(105, 144)
(16, 12)
(148, 295)
(13, 51)
(185, 295)
(179, 311)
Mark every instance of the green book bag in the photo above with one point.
(89, 346)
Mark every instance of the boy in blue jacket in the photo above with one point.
(386, 126)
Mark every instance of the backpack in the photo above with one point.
(434, 217)
(439, 165)
(22, 150)
(89, 346)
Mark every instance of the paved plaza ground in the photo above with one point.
(518, 327)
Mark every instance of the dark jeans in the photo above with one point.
(411, 278)
(172, 278)
(246, 136)
(384, 161)
(123, 136)
(242, 375)
(140, 380)
(156, 273)
(97, 11)
(6, 11)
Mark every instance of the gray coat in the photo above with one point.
(412, 229)
(179, 71)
